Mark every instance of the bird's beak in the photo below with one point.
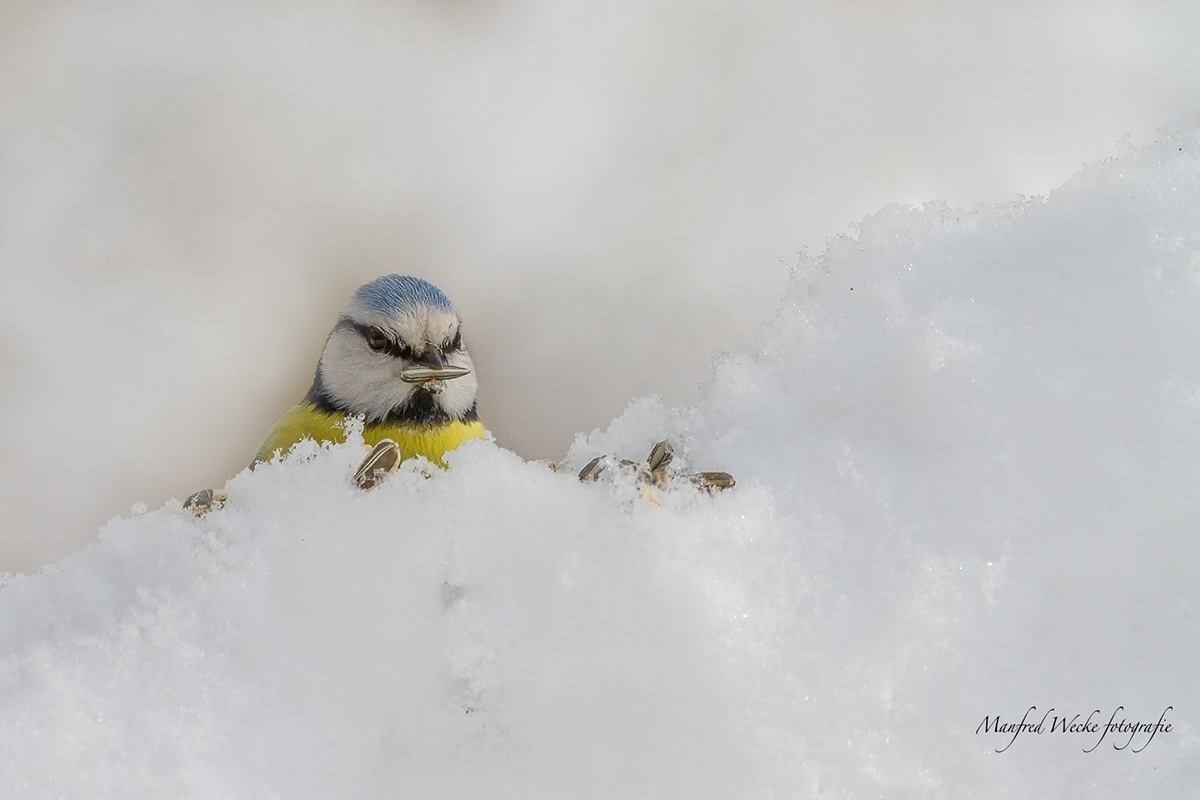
(430, 357)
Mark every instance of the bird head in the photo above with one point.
(396, 353)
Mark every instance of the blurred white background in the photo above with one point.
(609, 193)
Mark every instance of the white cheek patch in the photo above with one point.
(360, 380)
(457, 395)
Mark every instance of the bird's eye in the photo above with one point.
(376, 340)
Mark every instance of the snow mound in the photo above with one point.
(967, 463)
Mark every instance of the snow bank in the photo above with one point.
(967, 455)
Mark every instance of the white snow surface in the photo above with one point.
(967, 464)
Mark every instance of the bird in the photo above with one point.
(396, 359)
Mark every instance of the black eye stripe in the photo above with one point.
(393, 348)
(371, 334)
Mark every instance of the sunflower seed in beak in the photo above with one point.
(420, 374)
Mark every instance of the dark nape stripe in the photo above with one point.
(320, 397)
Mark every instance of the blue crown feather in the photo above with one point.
(395, 294)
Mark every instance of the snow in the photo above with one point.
(967, 460)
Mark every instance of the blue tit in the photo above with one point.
(395, 358)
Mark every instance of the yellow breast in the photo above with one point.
(305, 420)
